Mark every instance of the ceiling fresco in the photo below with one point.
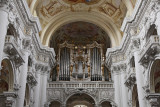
(89, 2)
(80, 33)
(115, 9)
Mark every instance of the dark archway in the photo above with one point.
(55, 104)
(152, 31)
(6, 76)
(106, 104)
(80, 99)
(155, 77)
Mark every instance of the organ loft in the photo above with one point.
(79, 53)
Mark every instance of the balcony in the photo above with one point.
(149, 50)
(80, 85)
(12, 48)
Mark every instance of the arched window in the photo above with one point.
(106, 104)
(155, 77)
(55, 104)
(6, 76)
(152, 31)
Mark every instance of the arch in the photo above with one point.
(154, 76)
(54, 100)
(80, 99)
(12, 31)
(34, 5)
(77, 92)
(7, 73)
(55, 103)
(98, 19)
(107, 100)
(151, 31)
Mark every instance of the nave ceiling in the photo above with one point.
(107, 14)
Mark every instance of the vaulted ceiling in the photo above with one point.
(80, 33)
(107, 14)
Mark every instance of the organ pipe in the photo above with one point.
(64, 64)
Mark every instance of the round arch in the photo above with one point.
(8, 68)
(52, 100)
(79, 92)
(91, 99)
(154, 67)
(98, 19)
(55, 103)
(112, 103)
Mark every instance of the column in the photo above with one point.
(130, 97)
(23, 80)
(117, 88)
(158, 22)
(44, 90)
(37, 91)
(3, 26)
(139, 78)
(124, 90)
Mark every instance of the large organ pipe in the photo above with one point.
(65, 70)
(68, 64)
(60, 73)
(63, 63)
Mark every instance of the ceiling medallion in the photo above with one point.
(88, 2)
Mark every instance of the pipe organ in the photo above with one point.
(64, 73)
(96, 74)
(81, 62)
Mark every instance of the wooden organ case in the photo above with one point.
(79, 62)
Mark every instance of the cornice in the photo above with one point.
(33, 24)
(128, 28)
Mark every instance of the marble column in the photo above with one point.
(139, 78)
(37, 91)
(23, 80)
(44, 90)
(117, 88)
(124, 90)
(158, 23)
(4, 21)
(130, 97)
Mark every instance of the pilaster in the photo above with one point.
(4, 21)
(139, 73)
(23, 80)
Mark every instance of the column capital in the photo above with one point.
(135, 44)
(118, 68)
(131, 80)
(153, 99)
(5, 5)
(10, 98)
